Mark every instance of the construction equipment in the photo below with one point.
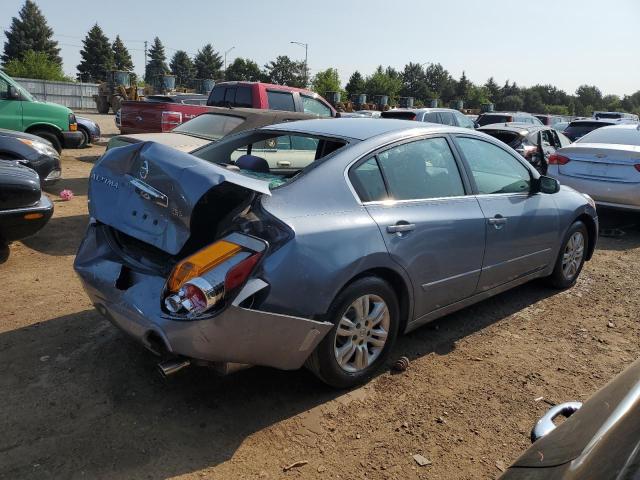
(116, 89)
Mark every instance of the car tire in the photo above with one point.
(51, 137)
(571, 257)
(86, 139)
(358, 344)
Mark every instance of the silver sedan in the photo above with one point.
(605, 164)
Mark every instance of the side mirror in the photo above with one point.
(548, 184)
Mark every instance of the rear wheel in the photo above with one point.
(571, 257)
(366, 319)
(52, 137)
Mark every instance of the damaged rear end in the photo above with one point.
(173, 257)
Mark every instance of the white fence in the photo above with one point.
(77, 96)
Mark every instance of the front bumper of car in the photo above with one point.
(235, 335)
(19, 223)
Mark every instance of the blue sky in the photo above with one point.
(563, 42)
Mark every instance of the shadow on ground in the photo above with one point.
(619, 230)
(60, 236)
(78, 396)
(79, 186)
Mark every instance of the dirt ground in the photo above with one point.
(80, 400)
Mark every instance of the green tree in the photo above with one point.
(244, 69)
(157, 65)
(383, 82)
(121, 56)
(493, 90)
(30, 31)
(532, 101)
(476, 96)
(182, 67)
(437, 78)
(208, 63)
(284, 71)
(35, 65)
(463, 86)
(97, 56)
(414, 83)
(326, 81)
(589, 95)
(355, 85)
(511, 103)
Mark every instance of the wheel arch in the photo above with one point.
(590, 223)
(398, 283)
(45, 126)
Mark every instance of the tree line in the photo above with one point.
(30, 51)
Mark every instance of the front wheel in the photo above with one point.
(85, 138)
(571, 257)
(366, 319)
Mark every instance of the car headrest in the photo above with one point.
(253, 163)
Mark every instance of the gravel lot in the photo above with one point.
(80, 400)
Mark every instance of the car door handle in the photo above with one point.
(282, 163)
(401, 227)
(498, 221)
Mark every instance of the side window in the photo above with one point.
(431, 117)
(494, 170)
(4, 90)
(367, 180)
(547, 138)
(217, 96)
(422, 169)
(304, 143)
(313, 106)
(244, 98)
(281, 100)
(448, 119)
(464, 121)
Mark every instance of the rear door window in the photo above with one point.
(315, 107)
(280, 100)
(464, 121)
(420, 170)
(217, 96)
(448, 119)
(432, 117)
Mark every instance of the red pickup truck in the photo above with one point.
(164, 116)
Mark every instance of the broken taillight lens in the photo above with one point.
(238, 274)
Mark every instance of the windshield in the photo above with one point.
(23, 91)
(210, 126)
(273, 156)
(615, 135)
(488, 119)
(575, 130)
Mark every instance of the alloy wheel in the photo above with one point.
(572, 256)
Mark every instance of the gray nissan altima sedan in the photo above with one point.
(240, 254)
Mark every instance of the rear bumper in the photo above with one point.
(611, 194)
(71, 139)
(15, 223)
(237, 334)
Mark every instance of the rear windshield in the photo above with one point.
(608, 115)
(488, 119)
(513, 139)
(210, 126)
(274, 157)
(618, 136)
(576, 130)
(399, 115)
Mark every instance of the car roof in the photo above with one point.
(257, 113)
(606, 121)
(423, 109)
(357, 128)
(514, 127)
(505, 112)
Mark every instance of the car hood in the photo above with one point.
(12, 133)
(149, 191)
(19, 186)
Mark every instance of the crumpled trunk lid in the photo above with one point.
(149, 191)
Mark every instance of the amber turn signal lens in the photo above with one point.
(200, 262)
(33, 216)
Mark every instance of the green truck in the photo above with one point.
(20, 111)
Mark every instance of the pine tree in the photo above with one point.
(355, 85)
(182, 67)
(97, 56)
(121, 56)
(243, 69)
(157, 65)
(208, 63)
(284, 71)
(30, 32)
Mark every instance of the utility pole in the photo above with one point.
(145, 58)
(225, 62)
(306, 58)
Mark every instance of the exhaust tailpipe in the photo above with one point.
(171, 366)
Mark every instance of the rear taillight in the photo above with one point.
(202, 280)
(170, 120)
(637, 166)
(555, 159)
(509, 119)
(412, 117)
